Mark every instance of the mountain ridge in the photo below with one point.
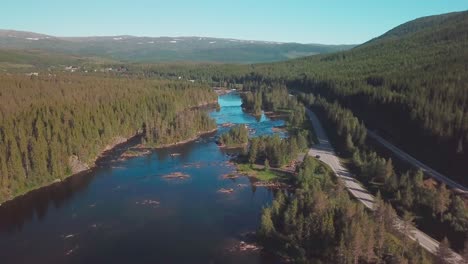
(130, 48)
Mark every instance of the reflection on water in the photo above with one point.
(125, 211)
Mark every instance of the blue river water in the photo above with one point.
(124, 211)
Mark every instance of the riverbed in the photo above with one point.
(129, 211)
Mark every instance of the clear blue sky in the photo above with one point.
(305, 21)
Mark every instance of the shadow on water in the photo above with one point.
(36, 203)
(124, 210)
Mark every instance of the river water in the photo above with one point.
(126, 212)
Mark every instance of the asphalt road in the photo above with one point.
(426, 169)
(327, 154)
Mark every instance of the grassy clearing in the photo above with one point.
(258, 172)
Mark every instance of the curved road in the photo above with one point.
(426, 169)
(327, 154)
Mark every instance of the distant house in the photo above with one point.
(71, 68)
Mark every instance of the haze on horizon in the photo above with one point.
(302, 21)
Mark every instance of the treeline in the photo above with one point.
(351, 133)
(319, 222)
(272, 97)
(44, 121)
(276, 151)
(175, 127)
(237, 135)
(408, 191)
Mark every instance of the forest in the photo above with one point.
(424, 201)
(236, 136)
(278, 152)
(49, 121)
(408, 85)
(318, 223)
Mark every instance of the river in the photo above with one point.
(124, 211)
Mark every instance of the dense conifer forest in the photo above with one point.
(48, 125)
(236, 136)
(410, 85)
(410, 192)
(320, 222)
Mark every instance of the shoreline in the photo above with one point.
(120, 141)
(108, 150)
(235, 146)
(168, 145)
(213, 104)
(223, 90)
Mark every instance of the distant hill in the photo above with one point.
(410, 84)
(164, 49)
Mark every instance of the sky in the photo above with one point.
(303, 21)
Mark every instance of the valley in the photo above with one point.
(186, 148)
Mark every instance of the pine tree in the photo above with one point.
(418, 179)
(253, 151)
(380, 238)
(357, 242)
(441, 201)
(342, 254)
(349, 143)
(267, 165)
(370, 243)
(389, 170)
(17, 175)
(407, 196)
(266, 224)
(290, 216)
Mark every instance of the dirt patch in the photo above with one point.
(197, 136)
(243, 246)
(430, 184)
(228, 191)
(272, 185)
(227, 125)
(222, 90)
(131, 153)
(77, 165)
(235, 146)
(230, 176)
(176, 175)
(116, 141)
(276, 115)
(278, 129)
